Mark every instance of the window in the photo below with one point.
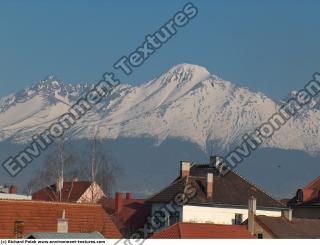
(300, 196)
(260, 236)
(165, 219)
(161, 218)
(238, 219)
(174, 218)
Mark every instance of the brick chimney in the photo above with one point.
(128, 195)
(118, 202)
(287, 214)
(18, 228)
(209, 183)
(252, 206)
(62, 226)
(184, 168)
(13, 189)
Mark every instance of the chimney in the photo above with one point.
(128, 195)
(213, 160)
(18, 228)
(252, 206)
(209, 182)
(62, 226)
(287, 214)
(118, 201)
(13, 189)
(59, 184)
(219, 164)
(184, 168)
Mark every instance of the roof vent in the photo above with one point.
(18, 228)
(287, 214)
(209, 183)
(13, 189)
(252, 206)
(62, 226)
(118, 202)
(184, 168)
(218, 164)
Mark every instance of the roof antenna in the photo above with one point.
(212, 146)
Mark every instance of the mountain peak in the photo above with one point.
(185, 102)
(197, 72)
(51, 81)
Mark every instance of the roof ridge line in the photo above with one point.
(173, 182)
(311, 183)
(52, 203)
(259, 188)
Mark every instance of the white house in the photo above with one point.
(218, 199)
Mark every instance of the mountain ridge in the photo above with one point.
(186, 102)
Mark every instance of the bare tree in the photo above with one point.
(64, 164)
(58, 166)
(100, 168)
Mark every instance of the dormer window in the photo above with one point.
(300, 196)
(238, 219)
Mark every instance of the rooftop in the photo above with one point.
(307, 196)
(229, 189)
(70, 235)
(40, 216)
(203, 231)
(132, 214)
(280, 227)
(71, 192)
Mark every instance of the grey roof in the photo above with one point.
(71, 235)
(230, 189)
(280, 227)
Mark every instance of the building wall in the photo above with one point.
(92, 195)
(9, 196)
(168, 208)
(259, 230)
(219, 215)
(304, 212)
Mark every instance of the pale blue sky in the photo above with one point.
(270, 46)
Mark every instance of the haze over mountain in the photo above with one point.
(184, 114)
(186, 102)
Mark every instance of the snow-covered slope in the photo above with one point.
(185, 102)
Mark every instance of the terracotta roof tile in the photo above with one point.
(40, 216)
(132, 215)
(71, 192)
(310, 195)
(203, 231)
(315, 184)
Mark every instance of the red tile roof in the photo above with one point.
(315, 184)
(132, 215)
(203, 231)
(310, 194)
(40, 216)
(71, 192)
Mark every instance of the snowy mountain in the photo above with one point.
(186, 102)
